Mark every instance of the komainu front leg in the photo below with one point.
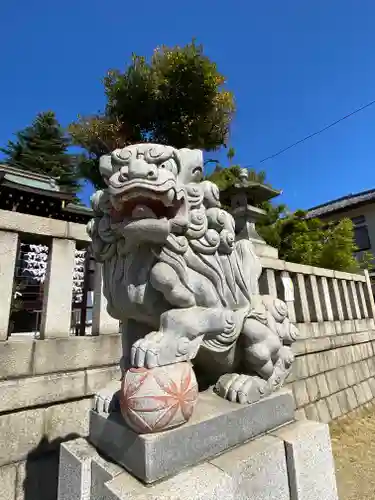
(259, 346)
(180, 335)
(106, 400)
(246, 388)
(266, 360)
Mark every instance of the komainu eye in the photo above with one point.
(169, 165)
(197, 172)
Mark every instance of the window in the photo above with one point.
(361, 236)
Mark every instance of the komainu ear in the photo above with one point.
(105, 167)
(191, 165)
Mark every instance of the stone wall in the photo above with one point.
(46, 388)
(335, 373)
(334, 370)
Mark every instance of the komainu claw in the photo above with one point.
(239, 388)
(106, 400)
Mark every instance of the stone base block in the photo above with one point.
(216, 426)
(294, 463)
(309, 460)
(264, 250)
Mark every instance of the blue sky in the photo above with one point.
(293, 65)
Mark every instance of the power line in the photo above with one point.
(317, 133)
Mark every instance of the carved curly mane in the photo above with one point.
(207, 247)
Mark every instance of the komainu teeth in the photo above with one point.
(179, 195)
(167, 197)
(170, 196)
(143, 212)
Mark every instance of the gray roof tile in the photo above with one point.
(347, 201)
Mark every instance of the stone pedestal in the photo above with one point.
(227, 451)
(216, 426)
(292, 463)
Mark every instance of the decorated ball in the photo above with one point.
(158, 399)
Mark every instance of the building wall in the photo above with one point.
(368, 211)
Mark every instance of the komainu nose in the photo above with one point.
(124, 174)
(139, 169)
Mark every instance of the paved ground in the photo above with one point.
(353, 442)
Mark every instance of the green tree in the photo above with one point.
(313, 241)
(42, 147)
(178, 97)
(224, 177)
(298, 239)
(231, 154)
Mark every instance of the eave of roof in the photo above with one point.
(32, 182)
(342, 204)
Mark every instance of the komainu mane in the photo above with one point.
(177, 279)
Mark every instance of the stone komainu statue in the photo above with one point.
(177, 279)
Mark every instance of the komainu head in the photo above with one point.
(155, 190)
(149, 180)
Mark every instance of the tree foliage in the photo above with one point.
(42, 147)
(313, 241)
(298, 239)
(226, 177)
(178, 97)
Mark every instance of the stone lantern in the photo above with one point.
(241, 199)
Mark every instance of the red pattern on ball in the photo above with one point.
(180, 395)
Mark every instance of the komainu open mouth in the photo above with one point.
(147, 204)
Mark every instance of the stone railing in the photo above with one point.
(46, 383)
(315, 295)
(334, 370)
(62, 237)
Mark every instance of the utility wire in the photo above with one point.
(316, 133)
